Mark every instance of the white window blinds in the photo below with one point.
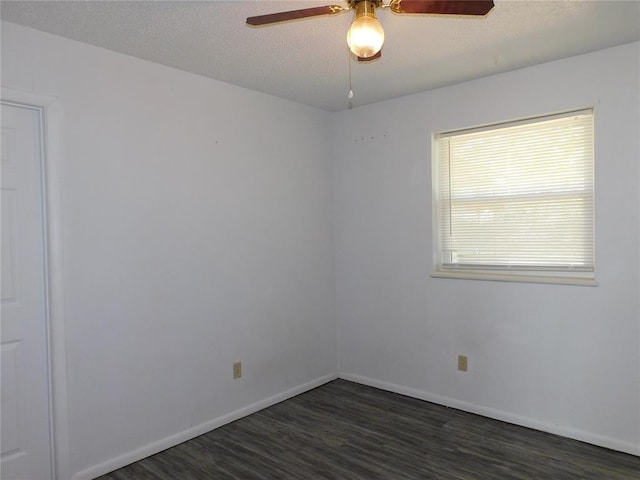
(517, 196)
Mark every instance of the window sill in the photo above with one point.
(517, 277)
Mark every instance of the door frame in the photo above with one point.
(50, 183)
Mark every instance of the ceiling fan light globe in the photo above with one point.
(365, 36)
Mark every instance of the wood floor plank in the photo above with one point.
(346, 431)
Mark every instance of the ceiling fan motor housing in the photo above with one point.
(373, 3)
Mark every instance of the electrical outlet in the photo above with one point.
(462, 363)
(237, 370)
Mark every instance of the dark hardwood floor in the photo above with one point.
(346, 431)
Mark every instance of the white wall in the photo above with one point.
(560, 358)
(197, 232)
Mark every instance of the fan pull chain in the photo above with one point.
(350, 94)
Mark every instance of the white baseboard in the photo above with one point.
(587, 437)
(173, 440)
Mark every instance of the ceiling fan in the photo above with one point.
(366, 36)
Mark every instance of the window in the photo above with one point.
(514, 201)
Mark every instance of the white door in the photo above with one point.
(25, 439)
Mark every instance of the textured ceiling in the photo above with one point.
(307, 60)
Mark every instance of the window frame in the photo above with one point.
(537, 274)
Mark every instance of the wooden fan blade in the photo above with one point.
(293, 15)
(442, 7)
(368, 59)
